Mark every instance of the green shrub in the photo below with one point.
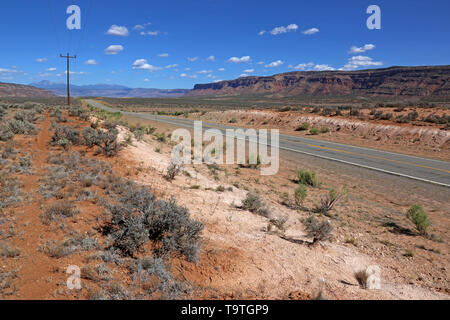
(173, 170)
(26, 115)
(420, 219)
(90, 136)
(64, 134)
(314, 131)
(319, 231)
(61, 209)
(106, 142)
(303, 127)
(161, 137)
(307, 178)
(233, 120)
(327, 203)
(6, 133)
(140, 218)
(300, 194)
(324, 130)
(255, 204)
(21, 127)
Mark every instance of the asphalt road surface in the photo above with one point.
(423, 169)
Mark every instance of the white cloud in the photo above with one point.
(3, 70)
(193, 59)
(40, 60)
(51, 69)
(311, 31)
(262, 32)
(204, 71)
(75, 72)
(360, 61)
(364, 48)
(163, 55)
(146, 80)
(280, 30)
(142, 64)
(211, 58)
(218, 80)
(116, 30)
(91, 62)
(302, 66)
(187, 69)
(221, 69)
(141, 26)
(249, 70)
(150, 33)
(274, 64)
(323, 67)
(114, 49)
(170, 66)
(184, 75)
(260, 62)
(244, 75)
(239, 60)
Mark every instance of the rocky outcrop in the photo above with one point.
(394, 81)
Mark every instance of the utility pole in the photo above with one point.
(68, 73)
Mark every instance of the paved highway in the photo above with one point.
(423, 169)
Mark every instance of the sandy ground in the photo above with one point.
(242, 259)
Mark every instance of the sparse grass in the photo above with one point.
(417, 215)
(307, 178)
(314, 131)
(254, 203)
(329, 201)
(279, 223)
(74, 243)
(9, 190)
(408, 253)
(303, 127)
(318, 231)
(300, 194)
(60, 209)
(173, 170)
(9, 252)
(161, 137)
(6, 281)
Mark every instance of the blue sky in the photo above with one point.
(176, 44)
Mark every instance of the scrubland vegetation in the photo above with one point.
(61, 177)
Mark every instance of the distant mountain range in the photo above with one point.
(425, 81)
(20, 90)
(109, 91)
(395, 81)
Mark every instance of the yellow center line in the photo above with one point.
(369, 156)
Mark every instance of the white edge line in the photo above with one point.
(371, 168)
